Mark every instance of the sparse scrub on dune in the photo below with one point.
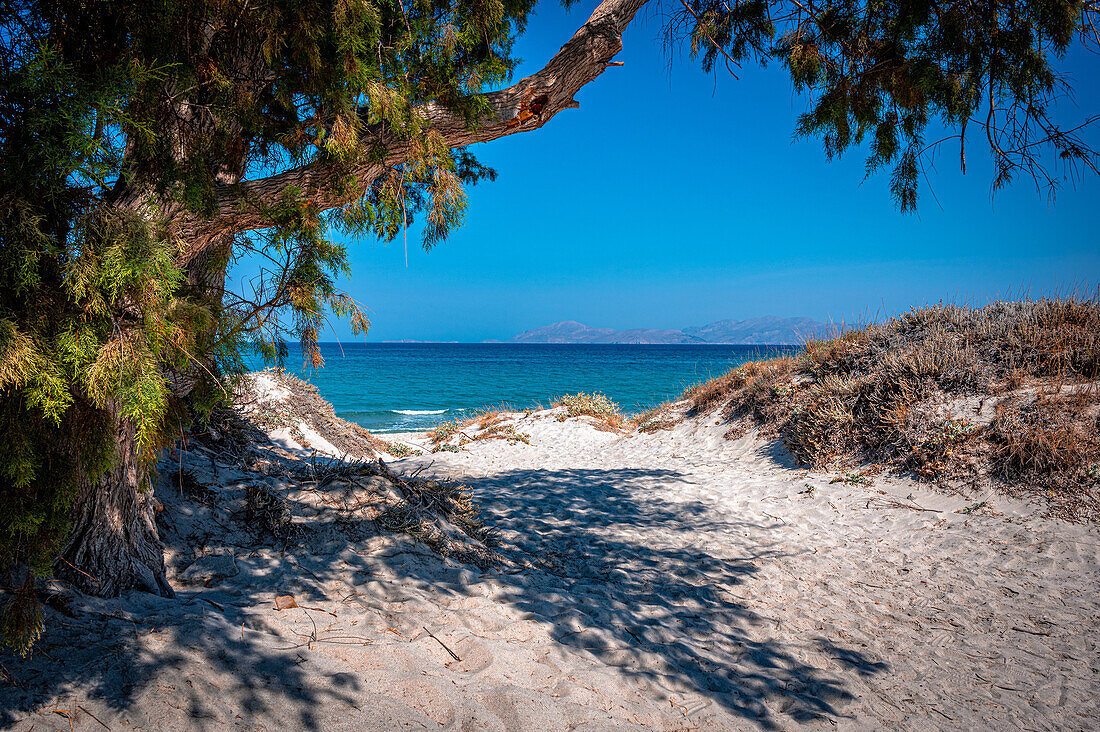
(1049, 438)
(488, 419)
(654, 420)
(400, 450)
(490, 424)
(607, 413)
(499, 431)
(949, 393)
(444, 431)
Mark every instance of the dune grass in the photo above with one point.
(605, 412)
(488, 424)
(949, 393)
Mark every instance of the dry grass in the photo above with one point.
(910, 393)
(655, 420)
(489, 424)
(444, 431)
(605, 412)
(1048, 437)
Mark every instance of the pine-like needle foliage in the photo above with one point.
(116, 115)
(879, 71)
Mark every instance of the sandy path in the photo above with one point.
(674, 581)
(703, 565)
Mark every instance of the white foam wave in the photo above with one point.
(418, 411)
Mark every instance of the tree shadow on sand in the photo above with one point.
(617, 574)
(630, 580)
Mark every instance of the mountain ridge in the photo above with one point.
(764, 330)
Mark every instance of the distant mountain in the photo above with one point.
(570, 331)
(648, 335)
(768, 330)
(567, 331)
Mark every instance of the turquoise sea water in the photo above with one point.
(389, 387)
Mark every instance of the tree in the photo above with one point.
(144, 146)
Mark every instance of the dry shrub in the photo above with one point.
(942, 449)
(1059, 338)
(821, 421)
(711, 394)
(654, 420)
(444, 431)
(753, 387)
(835, 355)
(606, 412)
(270, 511)
(498, 431)
(1053, 439)
(884, 394)
(488, 419)
(486, 425)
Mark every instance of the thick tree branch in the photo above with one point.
(526, 105)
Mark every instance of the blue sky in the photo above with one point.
(674, 198)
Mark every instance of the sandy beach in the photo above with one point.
(674, 580)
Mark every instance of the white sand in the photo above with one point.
(672, 581)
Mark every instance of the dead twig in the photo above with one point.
(1031, 632)
(65, 713)
(884, 503)
(92, 716)
(448, 650)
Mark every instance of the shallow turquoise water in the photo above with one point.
(397, 386)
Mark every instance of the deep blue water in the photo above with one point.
(399, 386)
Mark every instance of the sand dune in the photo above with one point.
(668, 581)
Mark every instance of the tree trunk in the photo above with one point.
(113, 544)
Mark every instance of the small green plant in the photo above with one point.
(974, 507)
(852, 479)
(444, 431)
(503, 432)
(606, 412)
(401, 450)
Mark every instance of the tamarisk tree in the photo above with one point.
(146, 145)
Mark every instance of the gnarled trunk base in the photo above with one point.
(114, 545)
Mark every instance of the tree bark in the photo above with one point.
(526, 105)
(114, 545)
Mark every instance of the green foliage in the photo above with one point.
(596, 405)
(115, 117)
(879, 72)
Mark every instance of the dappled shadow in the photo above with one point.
(133, 654)
(614, 572)
(629, 579)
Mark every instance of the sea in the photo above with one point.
(396, 387)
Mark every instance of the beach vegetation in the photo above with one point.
(952, 394)
(400, 450)
(488, 424)
(498, 431)
(444, 431)
(604, 412)
(655, 419)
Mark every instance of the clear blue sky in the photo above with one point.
(674, 198)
